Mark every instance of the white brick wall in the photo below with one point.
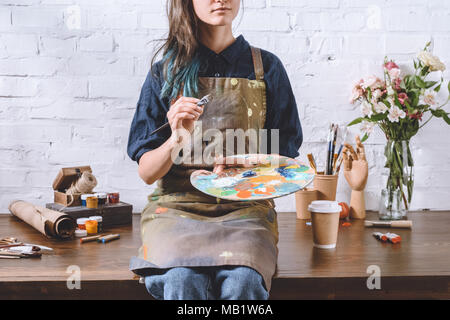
(71, 72)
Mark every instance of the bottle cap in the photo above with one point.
(82, 220)
(80, 233)
(85, 196)
(101, 194)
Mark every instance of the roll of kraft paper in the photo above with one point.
(48, 222)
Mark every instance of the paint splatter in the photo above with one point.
(249, 173)
(346, 224)
(274, 176)
(161, 210)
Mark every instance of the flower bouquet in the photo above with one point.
(398, 104)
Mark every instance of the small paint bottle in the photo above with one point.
(91, 226)
(80, 233)
(113, 197)
(99, 220)
(102, 196)
(84, 197)
(92, 202)
(81, 222)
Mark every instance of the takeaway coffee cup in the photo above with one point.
(302, 200)
(326, 186)
(325, 223)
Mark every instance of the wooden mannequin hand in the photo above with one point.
(356, 168)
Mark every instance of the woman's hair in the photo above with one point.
(180, 61)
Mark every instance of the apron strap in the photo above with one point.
(257, 62)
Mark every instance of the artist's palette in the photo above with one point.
(274, 176)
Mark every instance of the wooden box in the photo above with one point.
(63, 181)
(116, 214)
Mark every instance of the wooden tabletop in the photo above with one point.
(418, 267)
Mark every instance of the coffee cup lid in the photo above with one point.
(324, 206)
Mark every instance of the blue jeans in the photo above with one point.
(207, 283)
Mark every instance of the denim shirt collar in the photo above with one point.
(229, 54)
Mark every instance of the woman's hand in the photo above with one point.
(183, 113)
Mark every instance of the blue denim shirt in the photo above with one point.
(233, 62)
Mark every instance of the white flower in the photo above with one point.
(428, 97)
(394, 73)
(395, 113)
(391, 101)
(376, 94)
(370, 81)
(366, 108)
(390, 91)
(367, 127)
(380, 107)
(431, 61)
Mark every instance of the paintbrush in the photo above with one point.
(328, 150)
(339, 165)
(342, 143)
(405, 224)
(202, 102)
(334, 163)
(333, 148)
(312, 162)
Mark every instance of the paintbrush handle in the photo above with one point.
(160, 128)
(202, 102)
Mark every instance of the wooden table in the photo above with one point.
(419, 267)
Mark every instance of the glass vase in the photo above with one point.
(396, 197)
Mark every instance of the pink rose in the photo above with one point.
(397, 83)
(394, 73)
(357, 91)
(391, 65)
(402, 97)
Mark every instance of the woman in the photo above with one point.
(196, 246)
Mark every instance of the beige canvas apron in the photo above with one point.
(181, 226)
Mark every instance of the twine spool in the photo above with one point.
(85, 184)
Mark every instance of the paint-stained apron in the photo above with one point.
(181, 226)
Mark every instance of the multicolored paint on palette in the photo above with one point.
(274, 176)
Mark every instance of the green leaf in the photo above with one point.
(449, 87)
(370, 93)
(438, 88)
(397, 102)
(419, 82)
(365, 137)
(438, 113)
(446, 118)
(429, 84)
(378, 117)
(425, 70)
(356, 121)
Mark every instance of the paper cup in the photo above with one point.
(326, 186)
(302, 200)
(325, 223)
